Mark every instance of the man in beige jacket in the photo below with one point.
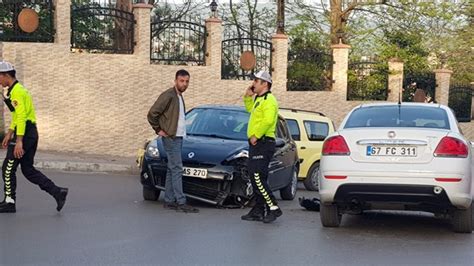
(167, 118)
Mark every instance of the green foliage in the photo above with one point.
(309, 63)
(367, 81)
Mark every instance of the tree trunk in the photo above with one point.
(337, 20)
(122, 35)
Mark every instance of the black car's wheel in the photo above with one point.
(330, 216)
(462, 221)
(150, 193)
(289, 192)
(311, 182)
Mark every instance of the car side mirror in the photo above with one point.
(279, 142)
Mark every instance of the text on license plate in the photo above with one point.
(195, 172)
(383, 150)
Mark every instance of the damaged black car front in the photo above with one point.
(215, 154)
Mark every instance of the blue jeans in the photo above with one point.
(174, 172)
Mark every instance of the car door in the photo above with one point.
(281, 165)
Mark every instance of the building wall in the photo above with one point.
(98, 103)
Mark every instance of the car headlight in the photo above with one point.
(153, 151)
(241, 154)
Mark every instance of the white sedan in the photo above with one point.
(408, 156)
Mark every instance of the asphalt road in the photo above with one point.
(106, 222)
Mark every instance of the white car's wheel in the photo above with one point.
(330, 216)
(462, 220)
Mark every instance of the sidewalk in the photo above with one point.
(77, 162)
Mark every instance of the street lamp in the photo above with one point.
(340, 35)
(213, 7)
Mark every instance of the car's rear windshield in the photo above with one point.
(398, 116)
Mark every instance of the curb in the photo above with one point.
(86, 167)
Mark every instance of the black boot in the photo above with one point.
(255, 214)
(272, 215)
(61, 198)
(7, 207)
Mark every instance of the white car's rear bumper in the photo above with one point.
(455, 174)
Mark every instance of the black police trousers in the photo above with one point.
(10, 164)
(259, 159)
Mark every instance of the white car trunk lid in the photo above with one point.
(392, 145)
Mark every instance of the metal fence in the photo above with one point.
(460, 100)
(419, 80)
(309, 70)
(102, 30)
(177, 42)
(232, 48)
(367, 80)
(10, 30)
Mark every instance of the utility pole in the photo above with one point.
(281, 17)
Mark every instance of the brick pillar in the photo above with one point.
(340, 55)
(214, 45)
(142, 30)
(395, 80)
(443, 77)
(63, 22)
(279, 62)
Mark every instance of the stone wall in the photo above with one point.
(97, 103)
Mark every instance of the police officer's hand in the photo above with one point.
(249, 91)
(6, 139)
(253, 140)
(162, 133)
(18, 151)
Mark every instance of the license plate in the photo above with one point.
(195, 172)
(400, 151)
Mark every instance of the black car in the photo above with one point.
(215, 154)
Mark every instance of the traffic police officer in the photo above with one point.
(263, 111)
(22, 141)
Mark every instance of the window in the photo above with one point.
(294, 129)
(316, 131)
(398, 116)
(281, 131)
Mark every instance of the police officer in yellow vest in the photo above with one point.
(22, 141)
(263, 109)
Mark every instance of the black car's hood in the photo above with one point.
(210, 150)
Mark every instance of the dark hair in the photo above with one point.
(182, 73)
(269, 86)
(11, 73)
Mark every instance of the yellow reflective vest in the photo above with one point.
(24, 110)
(263, 115)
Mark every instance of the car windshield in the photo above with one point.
(217, 123)
(398, 116)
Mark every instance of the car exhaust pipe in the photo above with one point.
(437, 190)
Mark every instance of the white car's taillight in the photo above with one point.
(336, 146)
(451, 147)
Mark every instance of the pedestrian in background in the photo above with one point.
(22, 142)
(167, 118)
(263, 109)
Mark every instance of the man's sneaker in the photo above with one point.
(255, 214)
(170, 205)
(7, 207)
(187, 208)
(61, 198)
(272, 215)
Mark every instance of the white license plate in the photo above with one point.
(195, 172)
(385, 150)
